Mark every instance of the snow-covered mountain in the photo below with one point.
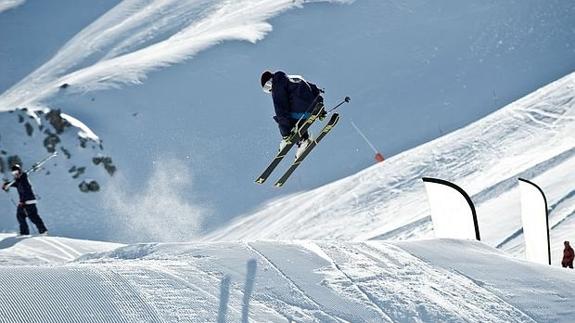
(79, 170)
(298, 281)
(530, 138)
(49, 131)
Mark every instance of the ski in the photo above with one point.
(324, 131)
(36, 166)
(301, 127)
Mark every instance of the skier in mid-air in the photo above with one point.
(293, 99)
(27, 203)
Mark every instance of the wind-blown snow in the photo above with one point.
(301, 281)
(139, 36)
(10, 4)
(158, 212)
(530, 138)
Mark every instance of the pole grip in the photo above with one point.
(345, 100)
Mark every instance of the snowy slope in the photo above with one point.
(531, 138)
(79, 171)
(448, 63)
(299, 281)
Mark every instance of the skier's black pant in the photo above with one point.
(287, 128)
(31, 212)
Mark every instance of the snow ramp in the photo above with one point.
(291, 281)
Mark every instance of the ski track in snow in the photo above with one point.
(401, 284)
(167, 290)
(318, 307)
(366, 294)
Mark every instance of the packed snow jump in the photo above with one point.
(297, 104)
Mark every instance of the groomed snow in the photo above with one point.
(274, 281)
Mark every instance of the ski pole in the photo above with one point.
(345, 100)
(12, 200)
(364, 138)
(39, 164)
(303, 117)
(378, 156)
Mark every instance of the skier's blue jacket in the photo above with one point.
(24, 188)
(293, 98)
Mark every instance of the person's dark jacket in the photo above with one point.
(24, 188)
(292, 99)
(568, 256)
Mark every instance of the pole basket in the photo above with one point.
(379, 158)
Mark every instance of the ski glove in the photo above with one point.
(322, 115)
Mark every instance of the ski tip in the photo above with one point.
(260, 181)
(278, 185)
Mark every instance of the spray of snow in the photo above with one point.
(10, 4)
(158, 212)
(139, 36)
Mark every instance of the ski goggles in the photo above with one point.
(267, 88)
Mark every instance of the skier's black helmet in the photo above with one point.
(16, 167)
(266, 76)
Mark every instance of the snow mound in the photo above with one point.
(301, 281)
(45, 250)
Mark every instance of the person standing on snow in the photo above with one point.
(568, 256)
(294, 98)
(27, 205)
